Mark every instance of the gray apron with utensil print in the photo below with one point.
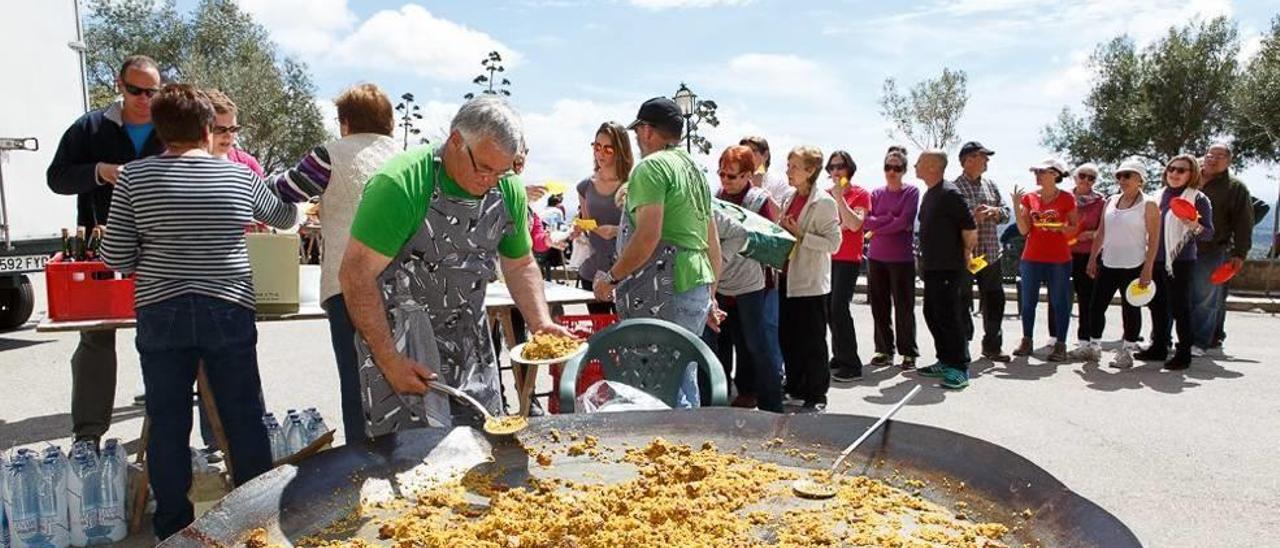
(646, 291)
(434, 291)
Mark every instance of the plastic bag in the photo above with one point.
(611, 397)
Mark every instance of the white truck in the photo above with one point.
(43, 93)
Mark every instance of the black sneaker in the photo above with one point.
(847, 373)
(908, 363)
(881, 359)
(997, 356)
(1180, 360)
(813, 407)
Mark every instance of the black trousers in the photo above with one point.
(731, 337)
(1171, 304)
(991, 300)
(1109, 282)
(844, 338)
(943, 309)
(802, 334)
(1083, 286)
(891, 289)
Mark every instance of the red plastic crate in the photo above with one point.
(581, 326)
(86, 290)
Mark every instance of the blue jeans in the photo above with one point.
(689, 310)
(746, 333)
(1058, 276)
(343, 336)
(1208, 301)
(174, 337)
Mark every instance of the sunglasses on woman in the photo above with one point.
(1086, 177)
(1126, 175)
(726, 175)
(607, 149)
(833, 167)
(1177, 169)
(895, 168)
(223, 130)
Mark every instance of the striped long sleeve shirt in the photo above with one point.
(178, 222)
(307, 180)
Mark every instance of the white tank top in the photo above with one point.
(1124, 244)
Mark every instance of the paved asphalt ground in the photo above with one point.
(1185, 459)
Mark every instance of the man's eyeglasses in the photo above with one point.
(726, 175)
(1086, 177)
(1217, 157)
(895, 168)
(135, 90)
(483, 173)
(607, 149)
(833, 167)
(223, 130)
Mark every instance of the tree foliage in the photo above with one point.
(216, 46)
(1255, 100)
(927, 115)
(1171, 97)
(489, 78)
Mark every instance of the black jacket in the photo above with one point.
(97, 136)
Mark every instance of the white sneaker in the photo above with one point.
(1197, 352)
(1123, 359)
(1081, 353)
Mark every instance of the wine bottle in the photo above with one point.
(66, 246)
(95, 240)
(79, 250)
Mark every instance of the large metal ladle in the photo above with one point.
(826, 488)
(498, 426)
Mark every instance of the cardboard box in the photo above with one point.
(274, 259)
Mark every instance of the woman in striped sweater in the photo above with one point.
(177, 220)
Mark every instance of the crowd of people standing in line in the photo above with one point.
(412, 239)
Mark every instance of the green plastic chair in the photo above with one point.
(648, 354)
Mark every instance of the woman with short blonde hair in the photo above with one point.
(809, 214)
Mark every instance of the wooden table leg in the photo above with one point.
(522, 375)
(215, 420)
(143, 486)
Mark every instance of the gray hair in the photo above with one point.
(937, 154)
(1224, 146)
(490, 117)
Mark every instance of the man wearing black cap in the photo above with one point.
(670, 254)
(989, 212)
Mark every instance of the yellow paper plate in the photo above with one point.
(555, 187)
(585, 224)
(1050, 225)
(978, 263)
(1138, 295)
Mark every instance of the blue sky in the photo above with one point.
(795, 72)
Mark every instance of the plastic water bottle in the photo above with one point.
(4, 496)
(23, 501)
(275, 434)
(295, 433)
(84, 494)
(53, 498)
(113, 486)
(315, 425)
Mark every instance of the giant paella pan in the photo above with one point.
(587, 480)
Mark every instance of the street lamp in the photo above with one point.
(686, 100)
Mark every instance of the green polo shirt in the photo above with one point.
(397, 197)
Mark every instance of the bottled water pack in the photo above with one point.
(35, 499)
(97, 494)
(299, 430)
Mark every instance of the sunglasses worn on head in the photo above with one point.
(222, 130)
(1086, 176)
(607, 149)
(895, 167)
(1177, 169)
(135, 90)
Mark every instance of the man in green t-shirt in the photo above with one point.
(431, 228)
(670, 256)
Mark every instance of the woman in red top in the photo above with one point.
(852, 204)
(1046, 217)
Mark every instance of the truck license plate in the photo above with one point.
(23, 263)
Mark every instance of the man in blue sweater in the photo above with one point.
(88, 160)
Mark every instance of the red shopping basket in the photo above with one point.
(86, 290)
(584, 327)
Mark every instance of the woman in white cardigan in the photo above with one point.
(809, 214)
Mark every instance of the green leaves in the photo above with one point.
(220, 47)
(928, 115)
(1255, 101)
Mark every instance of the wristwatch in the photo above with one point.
(606, 277)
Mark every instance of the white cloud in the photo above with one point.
(329, 117)
(303, 26)
(1249, 47)
(409, 39)
(667, 4)
(780, 76)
